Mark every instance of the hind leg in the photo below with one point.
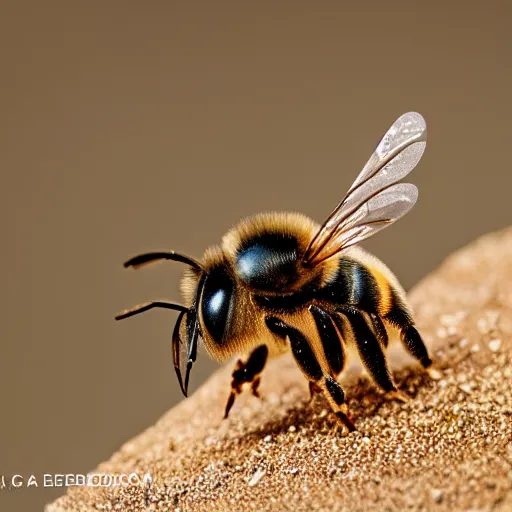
(248, 372)
(399, 316)
(416, 347)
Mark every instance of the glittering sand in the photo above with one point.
(448, 448)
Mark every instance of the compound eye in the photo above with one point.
(216, 303)
(268, 262)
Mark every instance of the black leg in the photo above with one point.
(371, 352)
(176, 343)
(308, 363)
(400, 318)
(151, 257)
(380, 329)
(255, 384)
(330, 339)
(149, 305)
(414, 344)
(302, 352)
(192, 335)
(337, 400)
(193, 330)
(248, 372)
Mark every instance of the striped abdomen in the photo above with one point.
(363, 297)
(364, 282)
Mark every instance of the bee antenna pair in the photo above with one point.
(151, 257)
(144, 259)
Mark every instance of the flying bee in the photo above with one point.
(279, 282)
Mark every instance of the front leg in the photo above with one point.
(308, 363)
(245, 373)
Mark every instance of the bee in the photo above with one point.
(279, 282)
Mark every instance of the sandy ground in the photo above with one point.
(448, 448)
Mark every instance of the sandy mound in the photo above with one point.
(448, 448)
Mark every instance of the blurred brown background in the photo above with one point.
(133, 126)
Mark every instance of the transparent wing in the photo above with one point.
(375, 214)
(395, 157)
(408, 130)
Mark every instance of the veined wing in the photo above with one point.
(380, 211)
(395, 157)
